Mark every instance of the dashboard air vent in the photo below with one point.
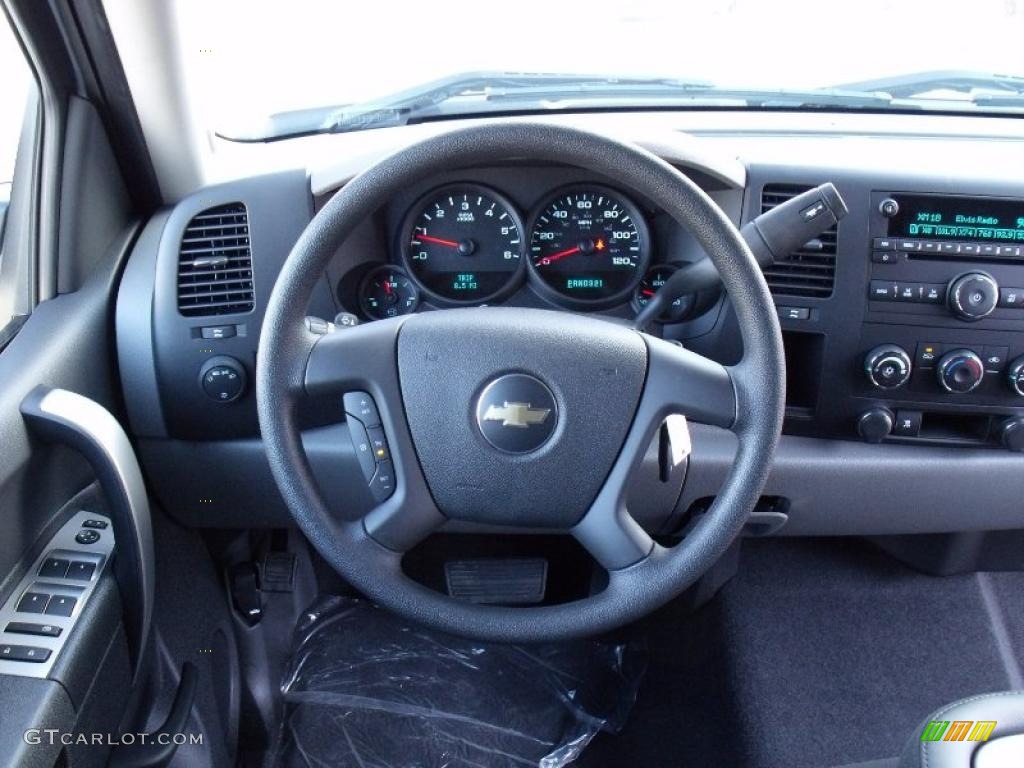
(215, 263)
(811, 270)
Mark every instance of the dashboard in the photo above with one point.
(903, 326)
(520, 235)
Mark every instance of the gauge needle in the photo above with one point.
(561, 254)
(438, 240)
(646, 292)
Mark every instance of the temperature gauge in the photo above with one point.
(387, 292)
(651, 284)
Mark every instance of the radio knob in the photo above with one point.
(1016, 375)
(973, 296)
(887, 366)
(875, 424)
(960, 371)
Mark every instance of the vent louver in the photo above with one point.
(215, 263)
(811, 270)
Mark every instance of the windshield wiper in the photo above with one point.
(482, 93)
(980, 87)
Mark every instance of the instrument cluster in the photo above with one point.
(584, 246)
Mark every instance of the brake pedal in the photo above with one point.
(497, 581)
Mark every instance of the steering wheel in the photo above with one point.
(461, 393)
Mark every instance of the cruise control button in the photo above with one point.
(379, 444)
(81, 571)
(361, 445)
(32, 602)
(383, 483)
(54, 568)
(908, 424)
(362, 406)
(28, 628)
(23, 653)
(61, 605)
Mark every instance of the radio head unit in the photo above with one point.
(942, 217)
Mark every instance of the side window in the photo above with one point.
(16, 85)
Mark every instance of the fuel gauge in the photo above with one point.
(387, 292)
(651, 283)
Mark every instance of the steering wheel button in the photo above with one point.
(383, 483)
(362, 406)
(361, 445)
(379, 444)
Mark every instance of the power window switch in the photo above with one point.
(54, 568)
(61, 605)
(81, 571)
(24, 653)
(32, 602)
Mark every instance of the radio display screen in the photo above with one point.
(958, 218)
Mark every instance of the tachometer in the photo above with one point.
(464, 244)
(588, 245)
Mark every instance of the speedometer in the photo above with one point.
(588, 245)
(464, 244)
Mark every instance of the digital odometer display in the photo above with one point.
(464, 244)
(958, 218)
(588, 245)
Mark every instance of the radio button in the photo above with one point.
(1013, 251)
(949, 247)
(885, 257)
(882, 290)
(930, 246)
(973, 296)
(884, 244)
(1011, 298)
(987, 249)
(909, 246)
(933, 293)
(909, 291)
(971, 249)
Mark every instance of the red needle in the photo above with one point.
(561, 254)
(438, 240)
(646, 292)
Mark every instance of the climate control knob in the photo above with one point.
(960, 371)
(887, 366)
(1011, 434)
(1016, 374)
(973, 296)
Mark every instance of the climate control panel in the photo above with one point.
(959, 370)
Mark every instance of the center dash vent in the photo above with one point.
(811, 270)
(215, 263)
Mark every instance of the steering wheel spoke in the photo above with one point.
(362, 359)
(680, 384)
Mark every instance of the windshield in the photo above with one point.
(270, 70)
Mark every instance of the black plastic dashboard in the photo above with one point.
(203, 444)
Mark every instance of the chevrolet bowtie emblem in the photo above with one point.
(516, 414)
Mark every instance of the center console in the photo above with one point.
(942, 353)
